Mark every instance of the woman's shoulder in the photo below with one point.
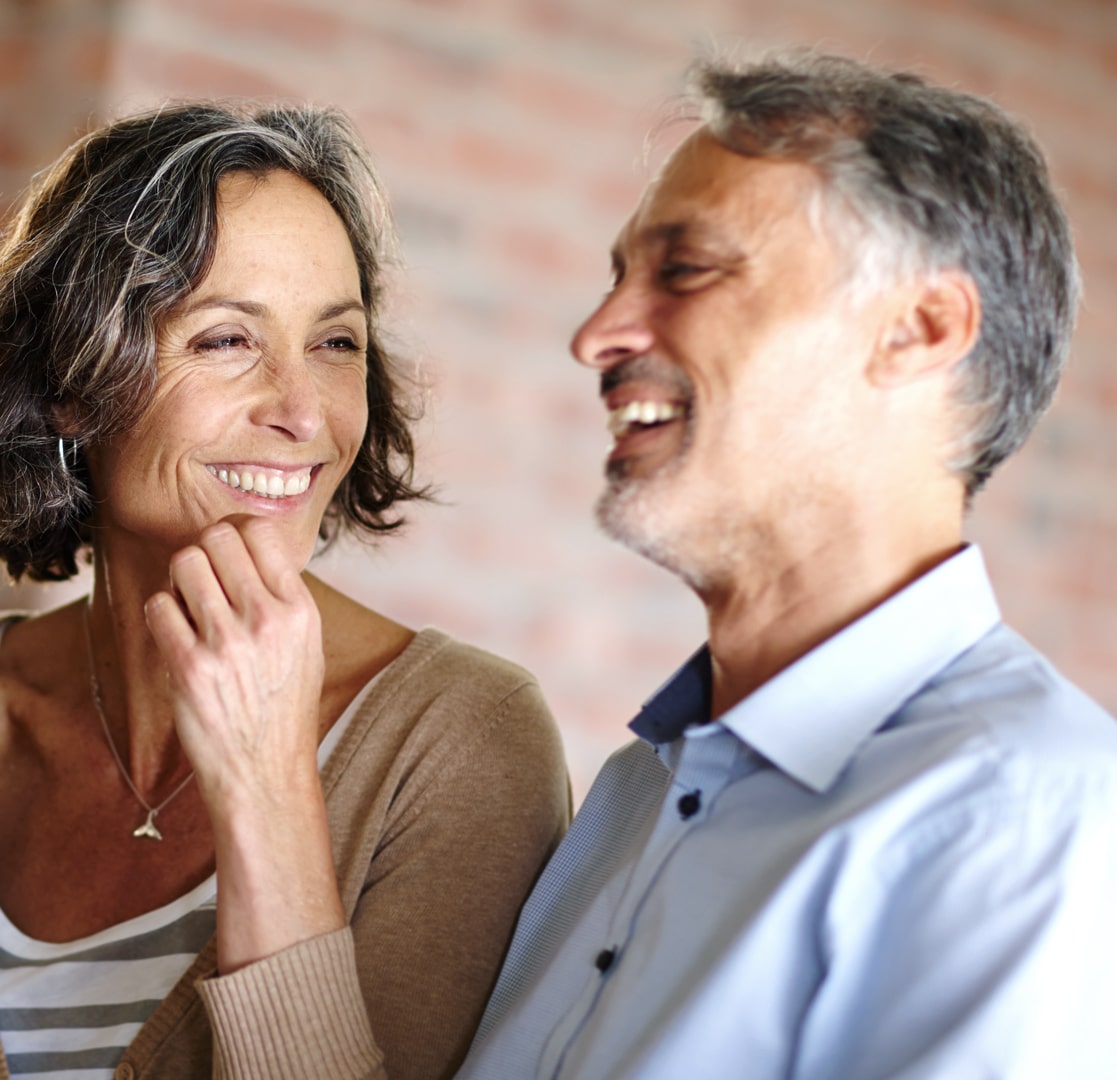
(42, 691)
(442, 701)
(451, 663)
(443, 692)
(37, 651)
(400, 661)
(446, 724)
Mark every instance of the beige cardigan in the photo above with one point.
(445, 796)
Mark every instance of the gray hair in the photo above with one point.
(933, 179)
(108, 243)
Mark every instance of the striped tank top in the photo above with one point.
(69, 1010)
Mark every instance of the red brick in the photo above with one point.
(180, 74)
(310, 26)
(16, 58)
(496, 160)
(510, 137)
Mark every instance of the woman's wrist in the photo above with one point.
(276, 884)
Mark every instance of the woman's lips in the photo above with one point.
(268, 483)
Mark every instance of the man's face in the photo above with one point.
(730, 366)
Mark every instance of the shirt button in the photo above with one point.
(604, 960)
(689, 804)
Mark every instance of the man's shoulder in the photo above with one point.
(1001, 722)
(1007, 689)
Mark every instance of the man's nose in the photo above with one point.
(617, 330)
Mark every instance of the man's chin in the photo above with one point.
(632, 512)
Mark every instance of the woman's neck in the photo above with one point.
(131, 677)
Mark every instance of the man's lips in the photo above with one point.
(638, 415)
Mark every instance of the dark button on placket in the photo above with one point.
(604, 960)
(689, 804)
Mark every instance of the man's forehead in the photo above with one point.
(708, 194)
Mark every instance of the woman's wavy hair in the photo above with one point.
(108, 242)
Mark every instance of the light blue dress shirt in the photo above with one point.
(898, 858)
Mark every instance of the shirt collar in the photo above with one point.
(811, 718)
(682, 701)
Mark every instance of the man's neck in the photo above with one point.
(764, 621)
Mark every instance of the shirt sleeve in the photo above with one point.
(298, 1013)
(401, 991)
(977, 947)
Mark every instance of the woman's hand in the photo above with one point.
(241, 637)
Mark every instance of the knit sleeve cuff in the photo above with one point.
(298, 1014)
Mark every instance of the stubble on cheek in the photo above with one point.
(640, 509)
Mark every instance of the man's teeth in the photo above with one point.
(260, 483)
(642, 412)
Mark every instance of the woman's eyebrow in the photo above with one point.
(258, 310)
(341, 307)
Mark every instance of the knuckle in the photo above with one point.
(259, 529)
(185, 557)
(219, 532)
(195, 666)
(211, 609)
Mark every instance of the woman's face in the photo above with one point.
(260, 406)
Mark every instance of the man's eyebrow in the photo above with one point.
(658, 241)
(672, 233)
(656, 235)
(259, 311)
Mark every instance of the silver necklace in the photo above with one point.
(148, 828)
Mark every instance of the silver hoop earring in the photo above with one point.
(72, 463)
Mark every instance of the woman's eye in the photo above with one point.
(341, 344)
(222, 341)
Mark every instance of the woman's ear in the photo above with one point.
(64, 415)
(934, 326)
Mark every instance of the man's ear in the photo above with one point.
(933, 327)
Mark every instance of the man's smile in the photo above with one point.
(638, 415)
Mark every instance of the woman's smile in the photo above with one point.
(265, 481)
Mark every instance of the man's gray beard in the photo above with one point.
(636, 512)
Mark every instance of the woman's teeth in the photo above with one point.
(622, 420)
(260, 483)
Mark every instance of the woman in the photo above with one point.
(193, 390)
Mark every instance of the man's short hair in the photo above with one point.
(926, 179)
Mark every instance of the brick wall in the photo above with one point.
(509, 134)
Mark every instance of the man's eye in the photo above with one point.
(679, 273)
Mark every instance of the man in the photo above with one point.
(867, 831)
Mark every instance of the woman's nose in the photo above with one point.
(290, 401)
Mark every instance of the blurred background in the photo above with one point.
(509, 133)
